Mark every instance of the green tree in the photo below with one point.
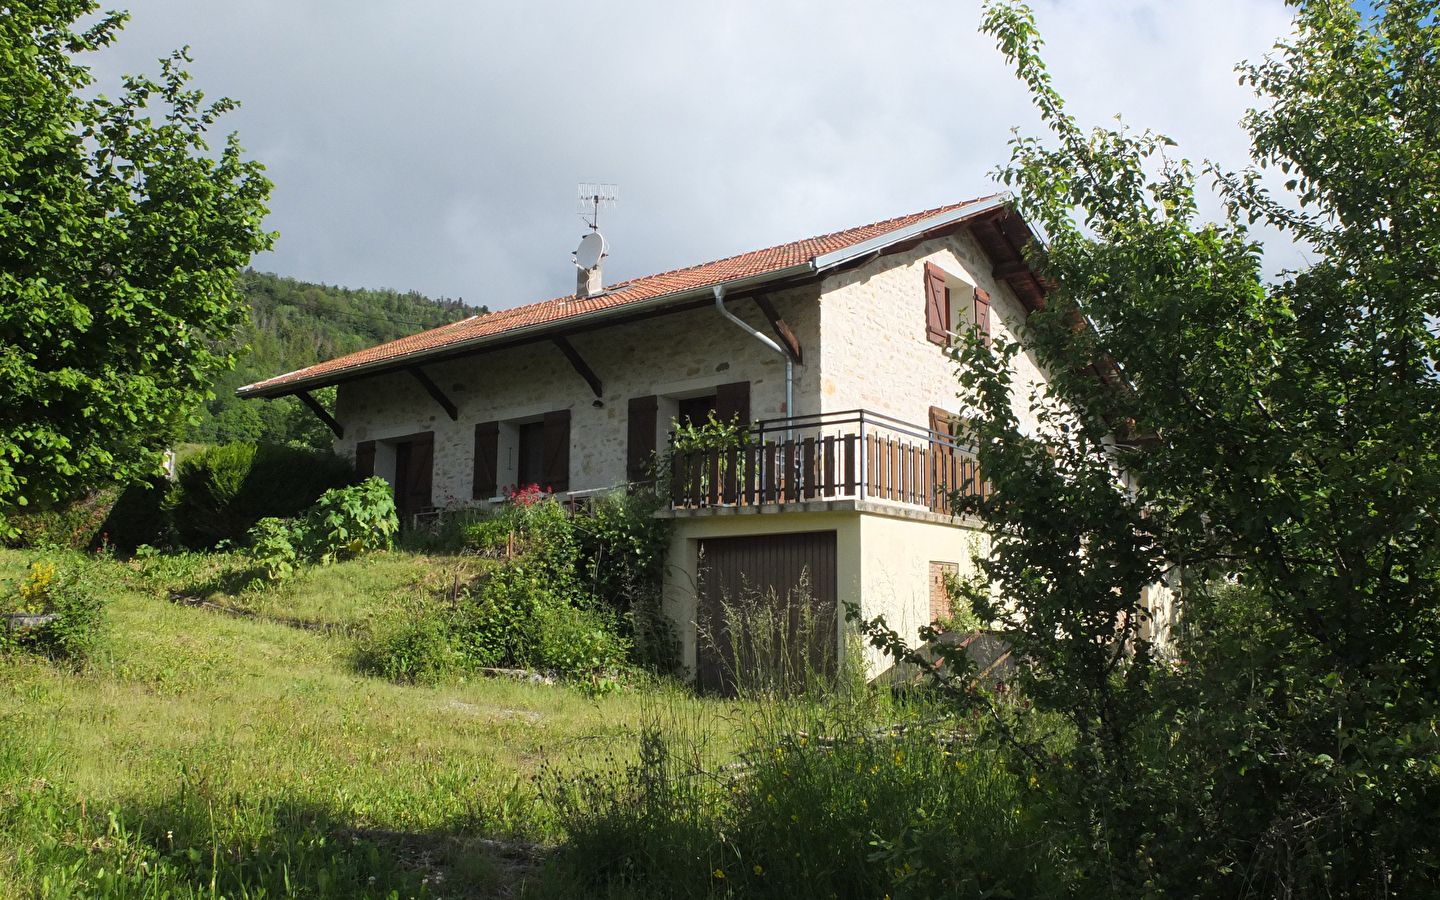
(1269, 445)
(120, 239)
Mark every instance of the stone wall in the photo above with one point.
(876, 355)
(684, 354)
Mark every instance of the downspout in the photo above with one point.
(789, 363)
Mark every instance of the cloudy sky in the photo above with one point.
(435, 145)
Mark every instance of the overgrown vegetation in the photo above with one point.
(221, 492)
(1278, 441)
(576, 595)
(51, 612)
(227, 732)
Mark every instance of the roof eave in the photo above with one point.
(899, 236)
(518, 335)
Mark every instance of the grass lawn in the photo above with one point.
(255, 722)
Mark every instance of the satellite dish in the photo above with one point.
(592, 247)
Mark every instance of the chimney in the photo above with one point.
(588, 282)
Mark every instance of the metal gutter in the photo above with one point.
(840, 257)
(537, 331)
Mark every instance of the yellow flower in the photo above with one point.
(758, 871)
(719, 874)
(794, 818)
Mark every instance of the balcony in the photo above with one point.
(851, 455)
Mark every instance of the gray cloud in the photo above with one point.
(436, 145)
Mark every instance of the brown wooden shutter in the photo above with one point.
(939, 596)
(732, 403)
(640, 439)
(982, 313)
(365, 459)
(556, 451)
(940, 420)
(422, 467)
(487, 460)
(937, 305)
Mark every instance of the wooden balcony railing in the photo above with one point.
(854, 454)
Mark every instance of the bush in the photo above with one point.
(346, 522)
(221, 492)
(71, 526)
(343, 523)
(62, 617)
(531, 612)
(137, 517)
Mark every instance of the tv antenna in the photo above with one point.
(592, 197)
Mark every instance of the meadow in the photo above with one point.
(228, 740)
(242, 723)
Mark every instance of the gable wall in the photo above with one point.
(876, 355)
(679, 353)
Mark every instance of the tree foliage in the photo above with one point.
(294, 324)
(1267, 445)
(120, 236)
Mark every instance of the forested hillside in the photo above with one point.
(294, 324)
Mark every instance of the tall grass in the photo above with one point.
(822, 804)
(767, 648)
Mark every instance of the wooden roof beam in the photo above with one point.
(782, 330)
(579, 364)
(321, 412)
(434, 391)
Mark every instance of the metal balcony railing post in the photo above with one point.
(862, 468)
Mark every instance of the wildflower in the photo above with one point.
(719, 874)
(794, 818)
(758, 871)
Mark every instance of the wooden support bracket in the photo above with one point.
(319, 410)
(584, 370)
(787, 337)
(434, 391)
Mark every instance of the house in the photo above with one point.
(833, 347)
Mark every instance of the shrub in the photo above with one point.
(70, 526)
(344, 523)
(138, 517)
(272, 547)
(221, 492)
(417, 650)
(63, 617)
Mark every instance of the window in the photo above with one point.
(939, 596)
(695, 411)
(531, 453)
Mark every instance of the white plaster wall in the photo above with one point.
(882, 565)
(875, 354)
(675, 354)
(895, 572)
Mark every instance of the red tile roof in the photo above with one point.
(476, 328)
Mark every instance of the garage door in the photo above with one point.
(776, 592)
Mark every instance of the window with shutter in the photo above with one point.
(940, 420)
(937, 305)
(487, 460)
(422, 470)
(732, 403)
(557, 451)
(982, 313)
(365, 459)
(939, 596)
(640, 438)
